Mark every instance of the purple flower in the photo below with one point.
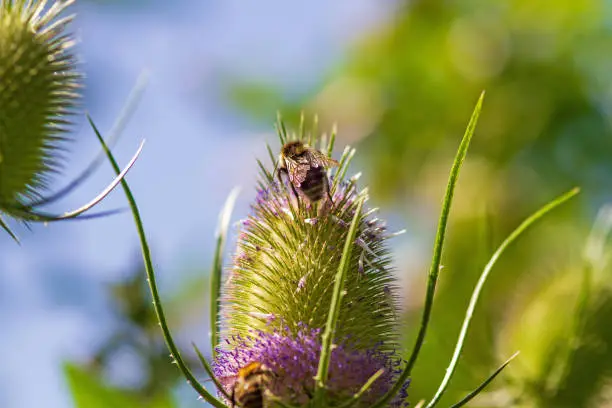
(294, 359)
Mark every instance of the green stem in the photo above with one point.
(334, 309)
(210, 372)
(146, 254)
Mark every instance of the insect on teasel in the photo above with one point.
(305, 167)
(250, 386)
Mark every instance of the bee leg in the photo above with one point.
(297, 197)
(280, 180)
(324, 207)
(329, 197)
(278, 175)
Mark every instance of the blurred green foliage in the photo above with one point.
(136, 332)
(88, 392)
(403, 96)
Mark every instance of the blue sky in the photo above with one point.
(52, 286)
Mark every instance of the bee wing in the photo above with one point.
(297, 171)
(318, 159)
(228, 379)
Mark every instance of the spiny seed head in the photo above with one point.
(38, 91)
(288, 256)
(277, 294)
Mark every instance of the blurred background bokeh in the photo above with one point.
(400, 79)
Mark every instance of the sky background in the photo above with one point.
(53, 306)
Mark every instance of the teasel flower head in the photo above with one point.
(39, 93)
(277, 295)
(39, 89)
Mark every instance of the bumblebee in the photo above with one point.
(248, 390)
(305, 168)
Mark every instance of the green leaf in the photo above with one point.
(88, 391)
(437, 253)
(484, 384)
(481, 281)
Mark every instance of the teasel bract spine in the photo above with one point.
(277, 295)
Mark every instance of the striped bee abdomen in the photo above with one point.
(249, 388)
(315, 184)
(253, 398)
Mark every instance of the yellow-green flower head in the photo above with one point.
(278, 293)
(38, 91)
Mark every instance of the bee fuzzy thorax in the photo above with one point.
(253, 368)
(294, 148)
